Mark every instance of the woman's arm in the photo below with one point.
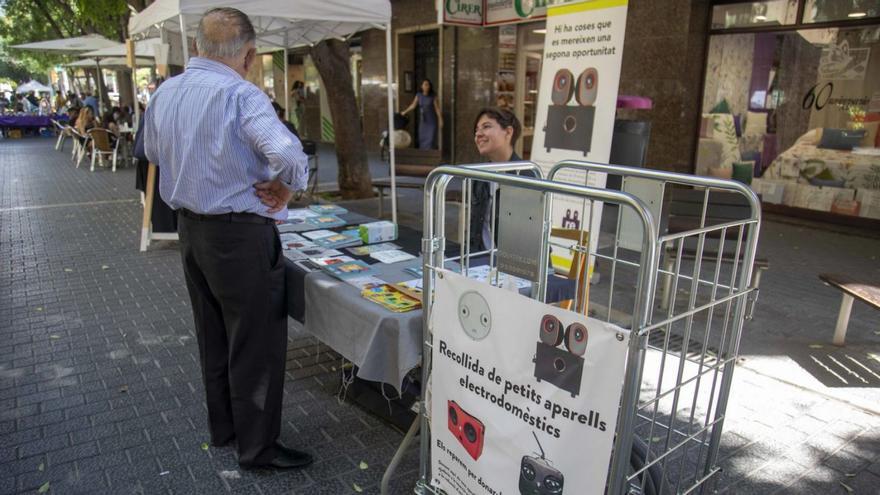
(439, 113)
(411, 106)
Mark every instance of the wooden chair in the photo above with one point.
(100, 139)
(579, 269)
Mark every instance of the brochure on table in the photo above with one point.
(504, 418)
(577, 102)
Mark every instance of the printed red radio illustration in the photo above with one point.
(469, 430)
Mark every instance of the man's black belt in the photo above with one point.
(228, 217)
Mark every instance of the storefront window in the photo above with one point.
(801, 108)
(749, 14)
(840, 10)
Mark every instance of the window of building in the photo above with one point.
(799, 109)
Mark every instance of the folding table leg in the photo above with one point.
(842, 320)
(398, 456)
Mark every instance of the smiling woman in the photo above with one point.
(495, 133)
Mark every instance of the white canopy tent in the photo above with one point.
(35, 86)
(283, 24)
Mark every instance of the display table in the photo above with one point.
(22, 121)
(384, 345)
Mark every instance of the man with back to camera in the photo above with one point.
(229, 166)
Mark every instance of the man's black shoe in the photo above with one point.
(227, 443)
(285, 458)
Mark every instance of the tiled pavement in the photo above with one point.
(100, 390)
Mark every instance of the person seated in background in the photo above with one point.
(4, 103)
(85, 121)
(72, 114)
(109, 122)
(60, 102)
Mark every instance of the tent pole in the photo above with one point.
(184, 41)
(132, 59)
(390, 81)
(286, 84)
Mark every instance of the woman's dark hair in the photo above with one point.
(430, 86)
(505, 119)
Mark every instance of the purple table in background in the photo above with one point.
(29, 120)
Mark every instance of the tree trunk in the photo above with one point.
(123, 83)
(332, 58)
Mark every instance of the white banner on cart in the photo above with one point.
(577, 100)
(524, 395)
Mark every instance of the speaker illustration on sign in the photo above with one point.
(561, 367)
(570, 127)
(467, 429)
(537, 476)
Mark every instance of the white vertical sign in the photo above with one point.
(577, 100)
(524, 396)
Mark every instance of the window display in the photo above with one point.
(802, 110)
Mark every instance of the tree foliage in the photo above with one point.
(26, 21)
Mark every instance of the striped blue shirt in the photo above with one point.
(214, 135)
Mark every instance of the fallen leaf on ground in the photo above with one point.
(163, 473)
(104, 267)
(656, 439)
(846, 487)
(68, 269)
(205, 446)
(816, 346)
(41, 467)
(230, 475)
(54, 336)
(363, 465)
(39, 308)
(44, 488)
(850, 475)
(357, 488)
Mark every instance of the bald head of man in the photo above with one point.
(227, 36)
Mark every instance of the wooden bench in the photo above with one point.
(852, 289)
(683, 211)
(411, 167)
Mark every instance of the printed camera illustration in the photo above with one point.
(561, 367)
(467, 429)
(538, 477)
(570, 127)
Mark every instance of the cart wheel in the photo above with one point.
(651, 478)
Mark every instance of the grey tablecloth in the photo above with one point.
(384, 345)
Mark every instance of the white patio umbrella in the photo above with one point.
(72, 46)
(110, 63)
(142, 48)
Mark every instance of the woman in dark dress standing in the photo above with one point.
(430, 115)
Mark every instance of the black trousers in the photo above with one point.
(235, 277)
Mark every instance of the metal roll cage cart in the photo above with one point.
(679, 367)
